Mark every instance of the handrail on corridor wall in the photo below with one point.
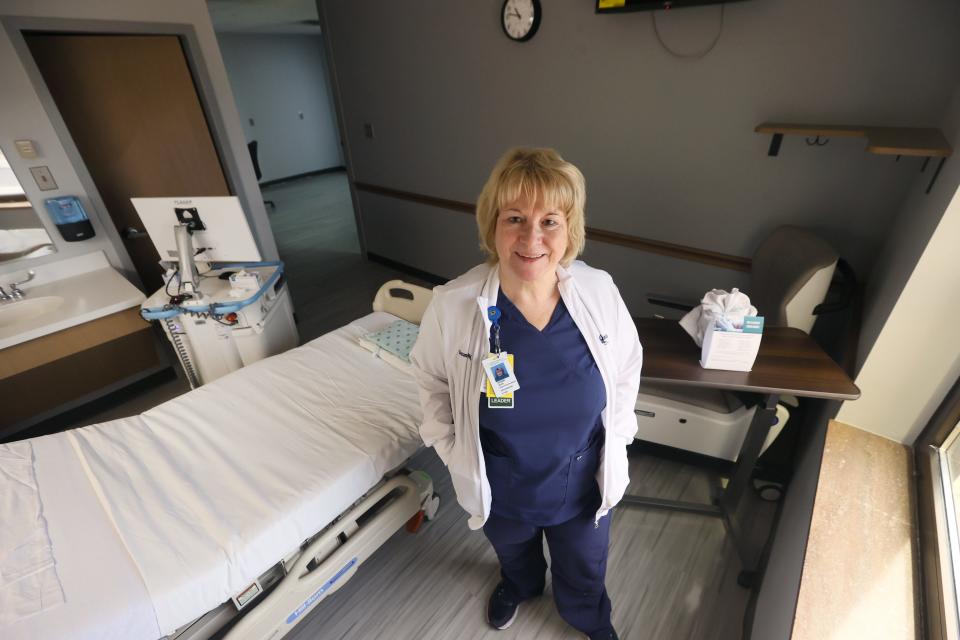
(692, 254)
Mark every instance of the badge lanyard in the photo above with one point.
(494, 314)
(498, 367)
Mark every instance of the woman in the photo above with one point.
(549, 458)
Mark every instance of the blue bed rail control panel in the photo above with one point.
(309, 602)
(68, 214)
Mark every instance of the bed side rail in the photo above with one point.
(331, 560)
(402, 299)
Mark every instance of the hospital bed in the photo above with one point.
(271, 484)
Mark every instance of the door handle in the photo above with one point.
(132, 232)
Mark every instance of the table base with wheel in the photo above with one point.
(789, 362)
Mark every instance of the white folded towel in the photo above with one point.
(728, 309)
(28, 576)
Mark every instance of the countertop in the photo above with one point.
(95, 290)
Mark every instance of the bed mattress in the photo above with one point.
(156, 519)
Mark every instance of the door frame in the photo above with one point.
(239, 174)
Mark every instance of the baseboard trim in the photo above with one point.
(399, 266)
(318, 172)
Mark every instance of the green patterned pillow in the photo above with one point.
(397, 338)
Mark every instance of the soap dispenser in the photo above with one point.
(70, 218)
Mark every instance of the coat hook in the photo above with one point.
(816, 141)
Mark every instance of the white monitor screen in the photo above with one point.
(225, 236)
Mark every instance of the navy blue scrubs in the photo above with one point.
(541, 459)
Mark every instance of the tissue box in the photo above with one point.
(732, 349)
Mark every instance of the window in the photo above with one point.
(937, 456)
(9, 185)
(22, 234)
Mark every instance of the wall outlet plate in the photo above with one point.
(43, 178)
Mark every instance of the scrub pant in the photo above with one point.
(578, 563)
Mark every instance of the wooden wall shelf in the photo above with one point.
(896, 141)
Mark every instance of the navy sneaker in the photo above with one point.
(501, 612)
(610, 635)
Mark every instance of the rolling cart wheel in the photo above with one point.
(431, 507)
(769, 492)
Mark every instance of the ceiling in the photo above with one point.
(264, 16)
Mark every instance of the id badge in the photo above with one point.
(500, 375)
(493, 400)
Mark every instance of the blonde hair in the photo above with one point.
(537, 175)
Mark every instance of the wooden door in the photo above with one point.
(131, 106)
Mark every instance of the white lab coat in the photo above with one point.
(454, 338)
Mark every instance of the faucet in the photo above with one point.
(15, 291)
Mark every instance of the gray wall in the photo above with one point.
(909, 235)
(667, 145)
(275, 78)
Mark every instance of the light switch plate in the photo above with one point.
(43, 178)
(26, 148)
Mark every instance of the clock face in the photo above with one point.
(520, 19)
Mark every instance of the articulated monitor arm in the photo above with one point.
(189, 276)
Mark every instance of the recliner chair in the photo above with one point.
(790, 274)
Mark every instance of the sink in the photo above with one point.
(65, 293)
(22, 311)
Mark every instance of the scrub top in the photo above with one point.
(542, 455)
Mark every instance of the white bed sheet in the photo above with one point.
(105, 598)
(209, 490)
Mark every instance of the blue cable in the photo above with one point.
(218, 308)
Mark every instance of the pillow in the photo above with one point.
(393, 343)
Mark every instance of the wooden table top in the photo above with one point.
(789, 362)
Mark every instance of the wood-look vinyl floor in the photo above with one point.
(671, 575)
(331, 283)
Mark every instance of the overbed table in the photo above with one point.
(789, 363)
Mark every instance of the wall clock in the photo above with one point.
(520, 19)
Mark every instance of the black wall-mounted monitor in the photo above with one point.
(622, 6)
